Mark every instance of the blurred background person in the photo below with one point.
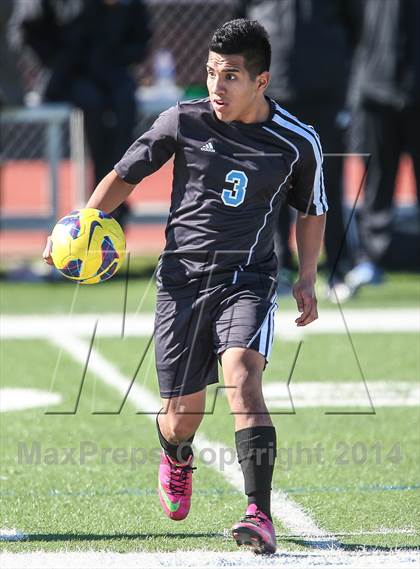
(312, 44)
(11, 87)
(386, 103)
(88, 47)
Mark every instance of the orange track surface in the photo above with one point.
(24, 190)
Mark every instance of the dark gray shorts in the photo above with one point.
(195, 324)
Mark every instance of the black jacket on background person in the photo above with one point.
(96, 38)
(87, 46)
(386, 110)
(11, 87)
(388, 58)
(311, 44)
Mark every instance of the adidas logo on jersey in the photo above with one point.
(208, 147)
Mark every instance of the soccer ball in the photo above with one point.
(88, 246)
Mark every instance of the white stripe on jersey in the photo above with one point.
(313, 139)
(277, 191)
(307, 127)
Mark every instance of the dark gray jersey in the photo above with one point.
(228, 183)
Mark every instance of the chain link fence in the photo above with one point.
(184, 27)
(180, 28)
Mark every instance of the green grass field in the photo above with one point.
(361, 485)
(399, 290)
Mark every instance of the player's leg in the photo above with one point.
(255, 439)
(185, 364)
(255, 435)
(178, 421)
(243, 335)
(242, 372)
(176, 424)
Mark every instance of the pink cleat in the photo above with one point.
(255, 530)
(175, 486)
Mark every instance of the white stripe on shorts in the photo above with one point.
(266, 330)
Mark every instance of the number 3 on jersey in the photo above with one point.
(236, 195)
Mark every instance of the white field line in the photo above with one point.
(330, 321)
(379, 531)
(334, 559)
(388, 393)
(284, 508)
(15, 399)
(11, 534)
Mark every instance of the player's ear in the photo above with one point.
(263, 79)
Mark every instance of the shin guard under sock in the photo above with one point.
(256, 449)
(178, 452)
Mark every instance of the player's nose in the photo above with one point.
(219, 86)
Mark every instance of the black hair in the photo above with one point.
(247, 38)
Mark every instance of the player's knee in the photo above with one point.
(181, 427)
(245, 391)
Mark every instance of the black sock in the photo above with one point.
(180, 452)
(256, 448)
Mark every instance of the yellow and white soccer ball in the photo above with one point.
(88, 246)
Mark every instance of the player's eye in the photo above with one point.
(210, 72)
(230, 76)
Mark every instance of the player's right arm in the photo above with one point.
(108, 195)
(144, 157)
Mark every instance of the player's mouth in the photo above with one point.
(219, 104)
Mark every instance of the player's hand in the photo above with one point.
(46, 254)
(304, 293)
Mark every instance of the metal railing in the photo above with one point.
(48, 133)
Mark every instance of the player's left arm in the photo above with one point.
(307, 195)
(309, 237)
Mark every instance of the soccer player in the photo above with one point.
(237, 155)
